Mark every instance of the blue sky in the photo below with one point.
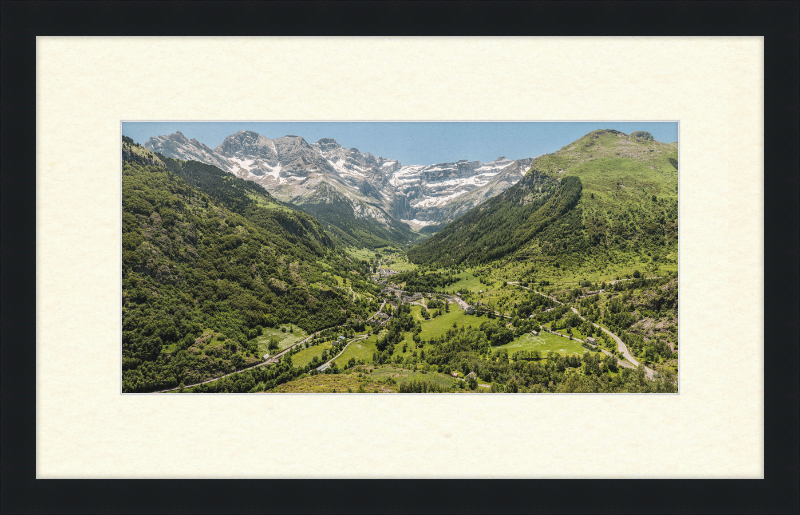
(420, 143)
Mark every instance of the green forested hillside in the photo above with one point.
(606, 198)
(208, 260)
(254, 202)
(502, 225)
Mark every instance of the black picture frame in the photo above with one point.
(776, 21)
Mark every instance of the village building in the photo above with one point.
(412, 298)
(454, 374)
(470, 310)
(591, 341)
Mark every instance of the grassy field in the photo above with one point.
(544, 343)
(400, 266)
(436, 327)
(439, 325)
(305, 356)
(361, 349)
(466, 281)
(360, 254)
(285, 339)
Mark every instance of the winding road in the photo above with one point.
(623, 349)
(328, 363)
(458, 300)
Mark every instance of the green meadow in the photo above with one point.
(398, 263)
(304, 357)
(544, 343)
(466, 281)
(285, 339)
(364, 254)
(436, 327)
(360, 350)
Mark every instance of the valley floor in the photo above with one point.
(580, 356)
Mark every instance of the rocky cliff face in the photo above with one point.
(179, 147)
(440, 192)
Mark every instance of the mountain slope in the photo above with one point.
(503, 224)
(345, 220)
(606, 196)
(207, 261)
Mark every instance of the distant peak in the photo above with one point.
(292, 138)
(327, 144)
(246, 134)
(599, 132)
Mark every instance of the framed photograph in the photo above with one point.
(264, 264)
(216, 211)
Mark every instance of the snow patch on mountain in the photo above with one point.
(437, 201)
(421, 223)
(244, 164)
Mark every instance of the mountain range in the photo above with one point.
(362, 199)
